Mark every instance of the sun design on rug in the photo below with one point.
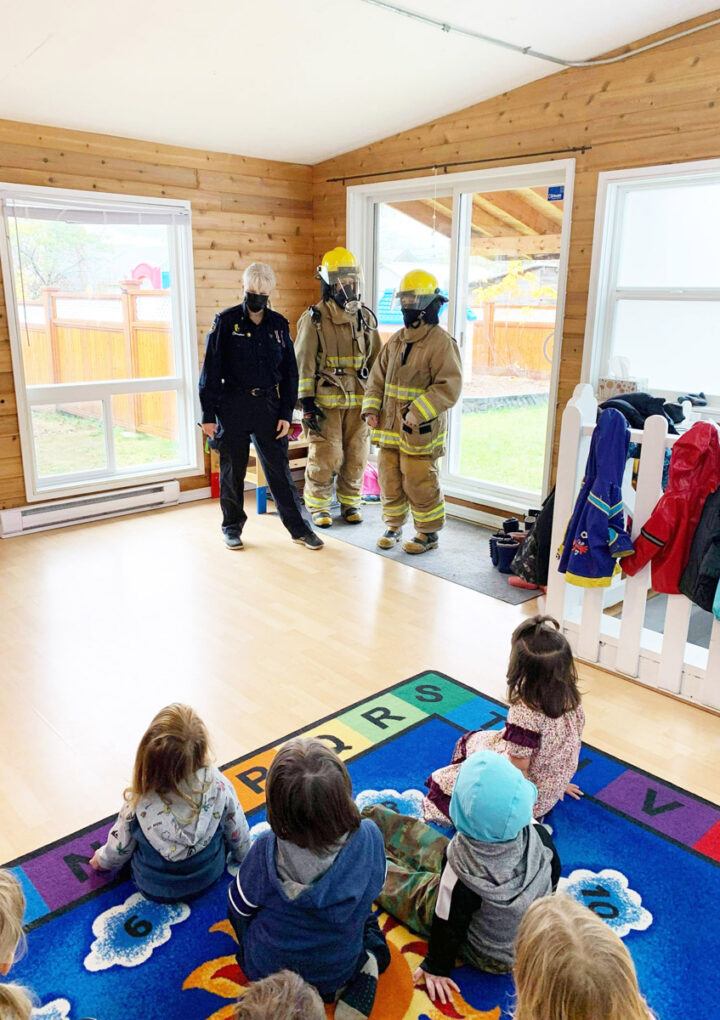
(397, 998)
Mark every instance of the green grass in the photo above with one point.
(65, 443)
(506, 446)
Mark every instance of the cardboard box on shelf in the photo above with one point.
(608, 387)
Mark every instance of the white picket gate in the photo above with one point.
(621, 643)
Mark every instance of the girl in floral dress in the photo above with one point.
(544, 725)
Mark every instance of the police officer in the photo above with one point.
(248, 388)
(336, 346)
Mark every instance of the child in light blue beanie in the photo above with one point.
(467, 895)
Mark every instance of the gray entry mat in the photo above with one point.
(462, 555)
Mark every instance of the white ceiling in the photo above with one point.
(297, 80)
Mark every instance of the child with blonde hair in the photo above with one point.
(181, 816)
(569, 965)
(543, 730)
(15, 1003)
(281, 996)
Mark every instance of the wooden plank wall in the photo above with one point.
(658, 107)
(243, 210)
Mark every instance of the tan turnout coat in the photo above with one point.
(330, 359)
(430, 382)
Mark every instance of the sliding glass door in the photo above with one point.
(496, 241)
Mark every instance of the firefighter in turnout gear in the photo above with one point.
(415, 381)
(336, 346)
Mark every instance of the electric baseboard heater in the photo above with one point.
(23, 520)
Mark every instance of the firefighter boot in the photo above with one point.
(322, 519)
(390, 539)
(421, 543)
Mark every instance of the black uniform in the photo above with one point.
(248, 383)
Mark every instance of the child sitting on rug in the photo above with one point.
(569, 965)
(303, 896)
(282, 996)
(543, 732)
(468, 895)
(180, 818)
(15, 1003)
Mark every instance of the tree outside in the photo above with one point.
(47, 253)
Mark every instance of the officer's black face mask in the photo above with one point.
(412, 317)
(256, 302)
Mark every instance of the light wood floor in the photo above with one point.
(102, 624)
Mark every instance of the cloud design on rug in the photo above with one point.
(409, 802)
(127, 935)
(257, 830)
(608, 895)
(58, 1009)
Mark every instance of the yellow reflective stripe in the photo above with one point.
(353, 361)
(430, 515)
(348, 499)
(403, 392)
(425, 408)
(351, 400)
(425, 448)
(382, 438)
(314, 503)
(385, 438)
(396, 508)
(371, 403)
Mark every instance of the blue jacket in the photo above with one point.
(596, 538)
(320, 933)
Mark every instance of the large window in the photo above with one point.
(654, 308)
(496, 241)
(100, 304)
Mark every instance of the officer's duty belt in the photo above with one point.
(272, 391)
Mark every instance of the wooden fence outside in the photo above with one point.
(504, 343)
(69, 350)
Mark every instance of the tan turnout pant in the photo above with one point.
(341, 449)
(410, 483)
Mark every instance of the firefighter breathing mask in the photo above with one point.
(256, 302)
(342, 276)
(419, 299)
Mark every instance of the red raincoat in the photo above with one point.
(668, 533)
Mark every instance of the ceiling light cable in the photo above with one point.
(528, 51)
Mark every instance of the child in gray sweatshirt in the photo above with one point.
(468, 895)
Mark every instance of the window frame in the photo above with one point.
(603, 292)
(361, 203)
(184, 382)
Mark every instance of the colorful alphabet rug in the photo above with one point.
(644, 855)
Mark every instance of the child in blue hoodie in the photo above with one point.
(302, 900)
(467, 895)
